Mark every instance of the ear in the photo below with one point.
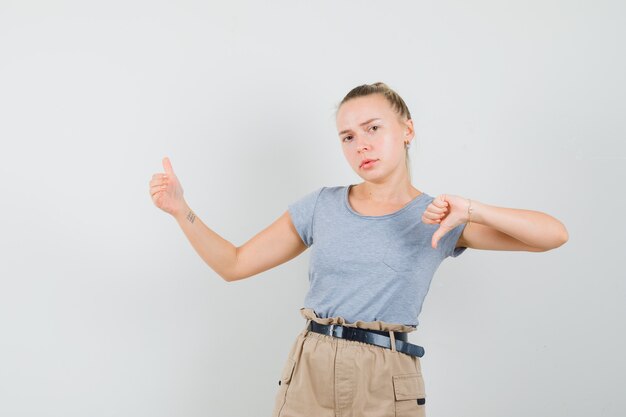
(410, 131)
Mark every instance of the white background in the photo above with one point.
(106, 309)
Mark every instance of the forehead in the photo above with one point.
(359, 109)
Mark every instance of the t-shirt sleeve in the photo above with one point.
(449, 241)
(302, 213)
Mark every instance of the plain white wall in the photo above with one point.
(106, 309)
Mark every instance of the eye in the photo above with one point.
(344, 139)
(375, 126)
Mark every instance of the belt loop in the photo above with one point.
(392, 336)
(306, 327)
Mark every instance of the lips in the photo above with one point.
(365, 161)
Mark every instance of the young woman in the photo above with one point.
(375, 247)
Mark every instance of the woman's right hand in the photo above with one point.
(166, 191)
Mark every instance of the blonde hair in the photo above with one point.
(394, 99)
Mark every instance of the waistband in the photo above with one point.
(396, 341)
(309, 314)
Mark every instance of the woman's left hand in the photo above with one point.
(448, 211)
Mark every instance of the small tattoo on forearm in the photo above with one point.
(191, 217)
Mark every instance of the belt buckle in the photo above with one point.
(332, 330)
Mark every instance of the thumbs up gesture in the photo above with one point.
(166, 191)
(448, 211)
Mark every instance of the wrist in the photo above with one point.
(473, 211)
(469, 211)
(181, 212)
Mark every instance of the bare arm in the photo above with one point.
(503, 228)
(495, 228)
(216, 251)
(274, 245)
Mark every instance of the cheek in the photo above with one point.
(391, 146)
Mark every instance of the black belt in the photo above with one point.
(373, 337)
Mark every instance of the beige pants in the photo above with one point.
(326, 376)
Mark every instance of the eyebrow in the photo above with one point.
(364, 123)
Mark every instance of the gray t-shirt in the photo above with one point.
(369, 267)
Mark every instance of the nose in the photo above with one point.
(361, 143)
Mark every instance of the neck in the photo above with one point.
(386, 193)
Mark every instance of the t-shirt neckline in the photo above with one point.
(346, 203)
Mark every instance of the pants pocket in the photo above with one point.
(285, 376)
(283, 384)
(410, 395)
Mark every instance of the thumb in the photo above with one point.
(439, 233)
(167, 165)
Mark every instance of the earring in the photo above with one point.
(407, 144)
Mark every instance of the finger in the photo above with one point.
(432, 208)
(432, 216)
(155, 193)
(429, 220)
(437, 211)
(440, 201)
(158, 187)
(168, 166)
(439, 233)
(159, 181)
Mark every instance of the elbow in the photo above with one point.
(563, 236)
(229, 276)
(555, 242)
(560, 239)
